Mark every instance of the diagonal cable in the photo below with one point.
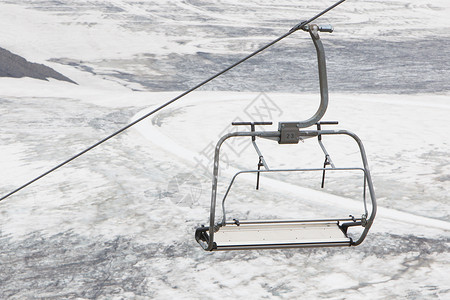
(292, 30)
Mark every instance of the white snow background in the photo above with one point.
(118, 222)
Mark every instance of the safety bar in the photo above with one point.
(223, 223)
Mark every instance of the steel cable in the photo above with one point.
(292, 30)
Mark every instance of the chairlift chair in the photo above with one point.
(277, 234)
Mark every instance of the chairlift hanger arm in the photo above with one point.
(290, 130)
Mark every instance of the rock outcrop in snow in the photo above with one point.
(13, 65)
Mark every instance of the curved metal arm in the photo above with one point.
(314, 32)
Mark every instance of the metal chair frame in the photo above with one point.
(205, 235)
(270, 234)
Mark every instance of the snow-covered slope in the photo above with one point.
(118, 222)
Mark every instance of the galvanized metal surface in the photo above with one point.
(224, 222)
(293, 234)
(314, 32)
(213, 228)
(288, 133)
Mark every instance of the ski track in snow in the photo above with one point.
(118, 223)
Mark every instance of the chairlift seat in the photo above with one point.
(268, 234)
(275, 234)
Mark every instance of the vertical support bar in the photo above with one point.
(212, 215)
(314, 32)
(323, 80)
